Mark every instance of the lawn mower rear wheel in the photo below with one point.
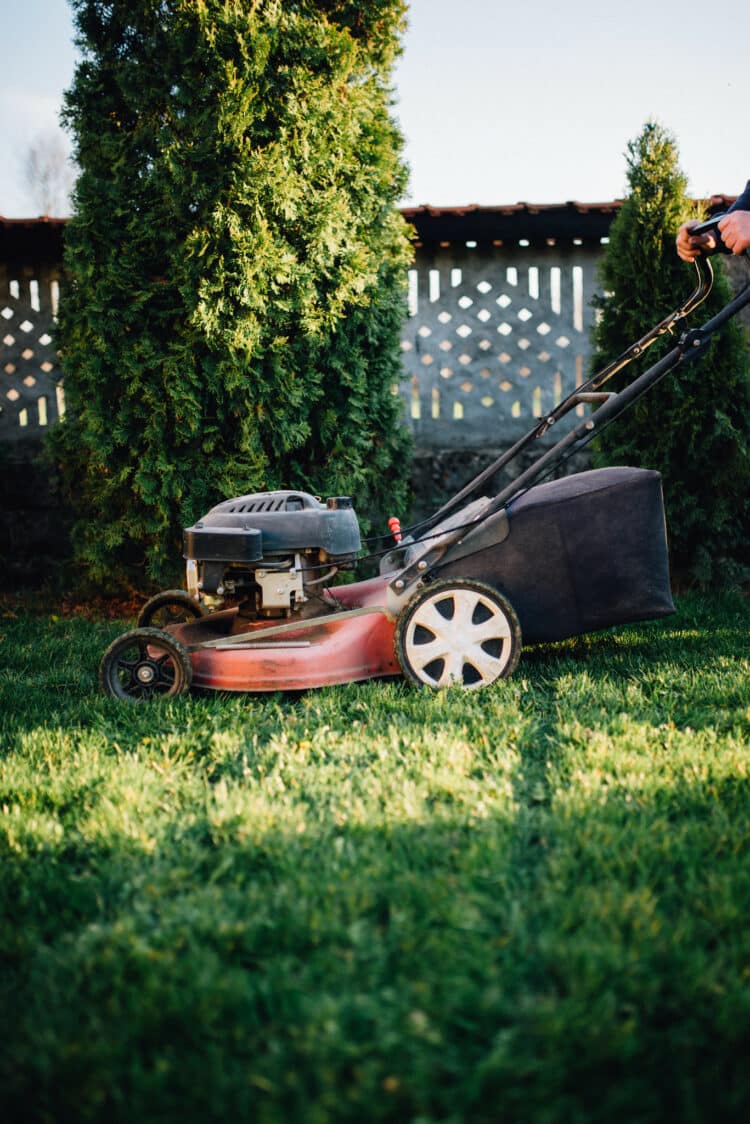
(461, 633)
(173, 606)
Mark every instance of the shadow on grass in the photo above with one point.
(575, 957)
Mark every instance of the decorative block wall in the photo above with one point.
(31, 393)
(495, 338)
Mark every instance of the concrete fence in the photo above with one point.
(32, 396)
(496, 337)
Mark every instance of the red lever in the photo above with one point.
(395, 526)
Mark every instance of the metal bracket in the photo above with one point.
(592, 396)
(281, 589)
(693, 339)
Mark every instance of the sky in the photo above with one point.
(498, 102)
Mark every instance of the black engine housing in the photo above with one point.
(251, 528)
(284, 530)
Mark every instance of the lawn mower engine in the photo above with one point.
(271, 551)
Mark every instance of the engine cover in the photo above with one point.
(251, 528)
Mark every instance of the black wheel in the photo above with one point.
(461, 633)
(174, 606)
(144, 664)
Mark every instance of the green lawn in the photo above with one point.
(367, 903)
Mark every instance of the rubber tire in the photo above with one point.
(145, 640)
(441, 591)
(188, 609)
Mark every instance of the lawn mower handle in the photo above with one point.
(711, 226)
(690, 346)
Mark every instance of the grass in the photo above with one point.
(370, 903)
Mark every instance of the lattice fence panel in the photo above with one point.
(31, 392)
(493, 341)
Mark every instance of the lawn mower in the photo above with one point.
(455, 595)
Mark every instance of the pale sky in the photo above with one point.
(498, 102)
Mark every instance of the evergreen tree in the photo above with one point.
(236, 266)
(694, 427)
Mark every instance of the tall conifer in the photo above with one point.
(236, 264)
(694, 427)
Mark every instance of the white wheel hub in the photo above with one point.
(459, 635)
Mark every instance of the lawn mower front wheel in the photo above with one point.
(145, 663)
(461, 633)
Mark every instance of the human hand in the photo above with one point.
(735, 231)
(690, 246)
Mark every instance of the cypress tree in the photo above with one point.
(694, 427)
(236, 266)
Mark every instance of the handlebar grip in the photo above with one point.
(710, 226)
